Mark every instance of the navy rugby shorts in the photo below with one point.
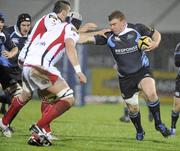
(177, 87)
(129, 84)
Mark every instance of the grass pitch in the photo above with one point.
(91, 128)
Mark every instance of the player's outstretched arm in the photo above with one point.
(89, 36)
(87, 27)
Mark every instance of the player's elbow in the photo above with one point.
(156, 37)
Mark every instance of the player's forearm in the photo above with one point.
(86, 38)
(14, 51)
(72, 56)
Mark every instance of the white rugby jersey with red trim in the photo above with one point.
(51, 46)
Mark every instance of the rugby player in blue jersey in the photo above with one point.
(133, 67)
(8, 50)
(18, 35)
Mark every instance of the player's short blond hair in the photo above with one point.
(116, 15)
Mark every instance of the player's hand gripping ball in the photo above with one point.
(144, 42)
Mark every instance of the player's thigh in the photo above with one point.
(147, 85)
(176, 105)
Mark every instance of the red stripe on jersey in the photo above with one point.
(60, 39)
(40, 30)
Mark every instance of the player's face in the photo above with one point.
(25, 27)
(117, 25)
(1, 25)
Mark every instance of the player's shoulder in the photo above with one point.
(9, 29)
(5, 33)
(70, 27)
(51, 20)
(139, 27)
(52, 15)
(135, 25)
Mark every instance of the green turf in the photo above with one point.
(91, 128)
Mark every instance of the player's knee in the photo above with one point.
(26, 96)
(152, 96)
(133, 108)
(66, 94)
(132, 103)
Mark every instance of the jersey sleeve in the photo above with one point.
(101, 40)
(71, 32)
(144, 30)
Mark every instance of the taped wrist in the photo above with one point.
(77, 68)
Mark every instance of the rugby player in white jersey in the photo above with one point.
(76, 20)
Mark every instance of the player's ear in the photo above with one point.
(124, 22)
(64, 13)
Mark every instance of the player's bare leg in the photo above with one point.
(175, 115)
(147, 85)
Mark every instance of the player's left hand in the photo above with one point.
(82, 77)
(7, 54)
